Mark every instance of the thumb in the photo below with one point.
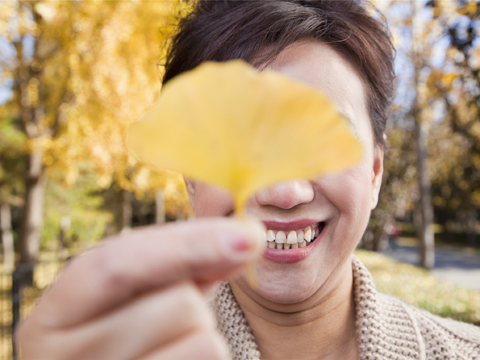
(203, 251)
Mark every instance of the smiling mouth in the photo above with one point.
(293, 239)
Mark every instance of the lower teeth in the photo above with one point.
(274, 245)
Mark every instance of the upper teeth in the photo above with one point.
(292, 238)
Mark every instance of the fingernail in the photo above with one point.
(241, 244)
(247, 243)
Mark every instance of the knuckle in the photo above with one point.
(109, 262)
(193, 306)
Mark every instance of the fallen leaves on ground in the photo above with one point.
(419, 287)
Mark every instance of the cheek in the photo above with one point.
(211, 201)
(350, 193)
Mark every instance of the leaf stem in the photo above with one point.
(250, 266)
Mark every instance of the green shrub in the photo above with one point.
(83, 204)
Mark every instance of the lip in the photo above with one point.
(291, 225)
(291, 256)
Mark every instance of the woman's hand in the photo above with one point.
(141, 295)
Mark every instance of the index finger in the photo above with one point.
(154, 257)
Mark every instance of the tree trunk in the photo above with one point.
(33, 209)
(7, 237)
(472, 226)
(125, 210)
(425, 229)
(65, 223)
(29, 242)
(424, 221)
(31, 114)
(378, 241)
(160, 207)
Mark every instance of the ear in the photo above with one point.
(377, 174)
(190, 185)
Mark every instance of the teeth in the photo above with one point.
(293, 240)
(300, 237)
(308, 235)
(270, 235)
(292, 237)
(280, 238)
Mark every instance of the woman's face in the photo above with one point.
(339, 205)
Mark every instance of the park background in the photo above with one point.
(75, 74)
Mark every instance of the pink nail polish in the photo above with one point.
(241, 245)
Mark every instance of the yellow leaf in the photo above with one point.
(472, 8)
(447, 79)
(230, 125)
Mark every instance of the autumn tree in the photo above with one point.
(40, 78)
(11, 184)
(412, 34)
(456, 83)
(80, 72)
(437, 105)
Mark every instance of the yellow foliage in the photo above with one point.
(447, 79)
(472, 7)
(461, 11)
(476, 198)
(94, 70)
(230, 125)
(448, 8)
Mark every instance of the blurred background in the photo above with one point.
(75, 74)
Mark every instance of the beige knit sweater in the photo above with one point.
(386, 327)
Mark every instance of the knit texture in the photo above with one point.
(386, 327)
(233, 325)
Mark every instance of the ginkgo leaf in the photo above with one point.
(230, 125)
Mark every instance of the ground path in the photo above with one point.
(459, 265)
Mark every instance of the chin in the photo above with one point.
(285, 287)
(285, 296)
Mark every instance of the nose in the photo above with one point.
(286, 195)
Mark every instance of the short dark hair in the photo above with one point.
(257, 31)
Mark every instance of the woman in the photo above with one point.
(142, 296)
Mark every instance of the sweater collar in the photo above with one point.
(385, 329)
